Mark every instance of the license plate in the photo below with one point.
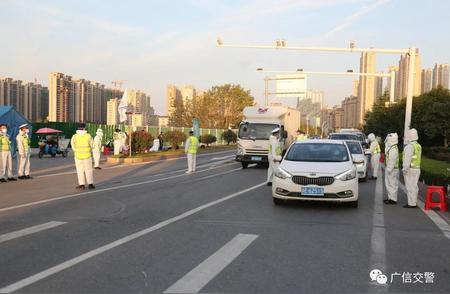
(313, 191)
(256, 158)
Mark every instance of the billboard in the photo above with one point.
(291, 85)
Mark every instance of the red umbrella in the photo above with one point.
(48, 131)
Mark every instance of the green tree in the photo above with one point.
(229, 136)
(208, 139)
(175, 138)
(177, 116)
(430, 116)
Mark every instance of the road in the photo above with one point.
(151, 228)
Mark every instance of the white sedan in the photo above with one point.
(360, 159)
(316, 170)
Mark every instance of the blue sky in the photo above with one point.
(153, 43)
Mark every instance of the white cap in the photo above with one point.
(22, 126)
(276, 130)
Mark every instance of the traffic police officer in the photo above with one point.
(82, 146)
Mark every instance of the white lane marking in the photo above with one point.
(378, 238)
(213, 175)
(202, 274)
(104, 189)
(71, 262)
(435, 218)
(131, 165)
(223, 157)
(30, 230)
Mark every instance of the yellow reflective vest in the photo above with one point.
(5, 143)
(417, 155)
(81, 145)
(193, 145)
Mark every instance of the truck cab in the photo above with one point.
(255, 130)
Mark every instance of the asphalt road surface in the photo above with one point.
(151, 228)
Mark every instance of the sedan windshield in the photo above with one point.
(354, 147)
(318, 152)
(256, 131)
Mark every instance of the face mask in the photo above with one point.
(27, 131)
(82, 132)
(4, 131)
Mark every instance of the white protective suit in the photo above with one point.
(410, 174)
(97, 148)
(83, 166)
(155, 147)
(375, 154)
(23, 154)
(273, 157)
(5, 158)
(391, 175)
(117, 143)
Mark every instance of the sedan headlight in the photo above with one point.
(347, 175)
(282, 174)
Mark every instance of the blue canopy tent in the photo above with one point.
(9, 116)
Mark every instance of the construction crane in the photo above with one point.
(118, 83)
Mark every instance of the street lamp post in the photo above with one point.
(281, 45)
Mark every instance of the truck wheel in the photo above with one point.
(244, 165)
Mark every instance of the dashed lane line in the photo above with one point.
(105, 189)
(71, 262)
(202, 274)
(29, 231)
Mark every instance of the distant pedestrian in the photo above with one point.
(97, 148)
(392, 168)
(190, 148)
(161, 140)
(82, 146)
(5, 155)
(23, 157)
(301, 136)
(117, 141)
(412, 156)
(274, 156)
(375, 152)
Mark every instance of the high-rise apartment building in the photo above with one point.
(389, 83)
(187, 93)
(112, 113)
(350, 112)
(366, 89)
(441, 75)
(173, 95)
(402, 81)
(78, 100)
(426, 80)
(61, 98)
(355, 88)
(378, 87)
(27, 98)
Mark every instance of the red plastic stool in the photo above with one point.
(429, 203)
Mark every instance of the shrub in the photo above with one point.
(141, 141)
(208, 139)
(229, 136)
(175, 138)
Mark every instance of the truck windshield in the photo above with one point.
(255, 131)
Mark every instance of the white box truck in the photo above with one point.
(256, 127)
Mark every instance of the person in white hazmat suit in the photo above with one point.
(23, 154)
(412, 155)
(97, 148)
(274, 155)
(5, 156)
(117, 141)
(375, 152)
(391, 175)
